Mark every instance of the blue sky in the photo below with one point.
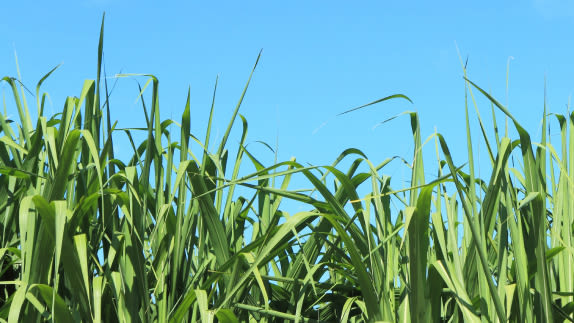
(319, 59)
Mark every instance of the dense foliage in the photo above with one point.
(171, 236)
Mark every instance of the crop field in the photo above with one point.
(173, 235)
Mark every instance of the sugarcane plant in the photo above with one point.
(179, 232)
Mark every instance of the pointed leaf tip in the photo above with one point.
(394, 96)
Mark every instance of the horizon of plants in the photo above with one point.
(172, 235)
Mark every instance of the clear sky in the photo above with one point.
(319, 58)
